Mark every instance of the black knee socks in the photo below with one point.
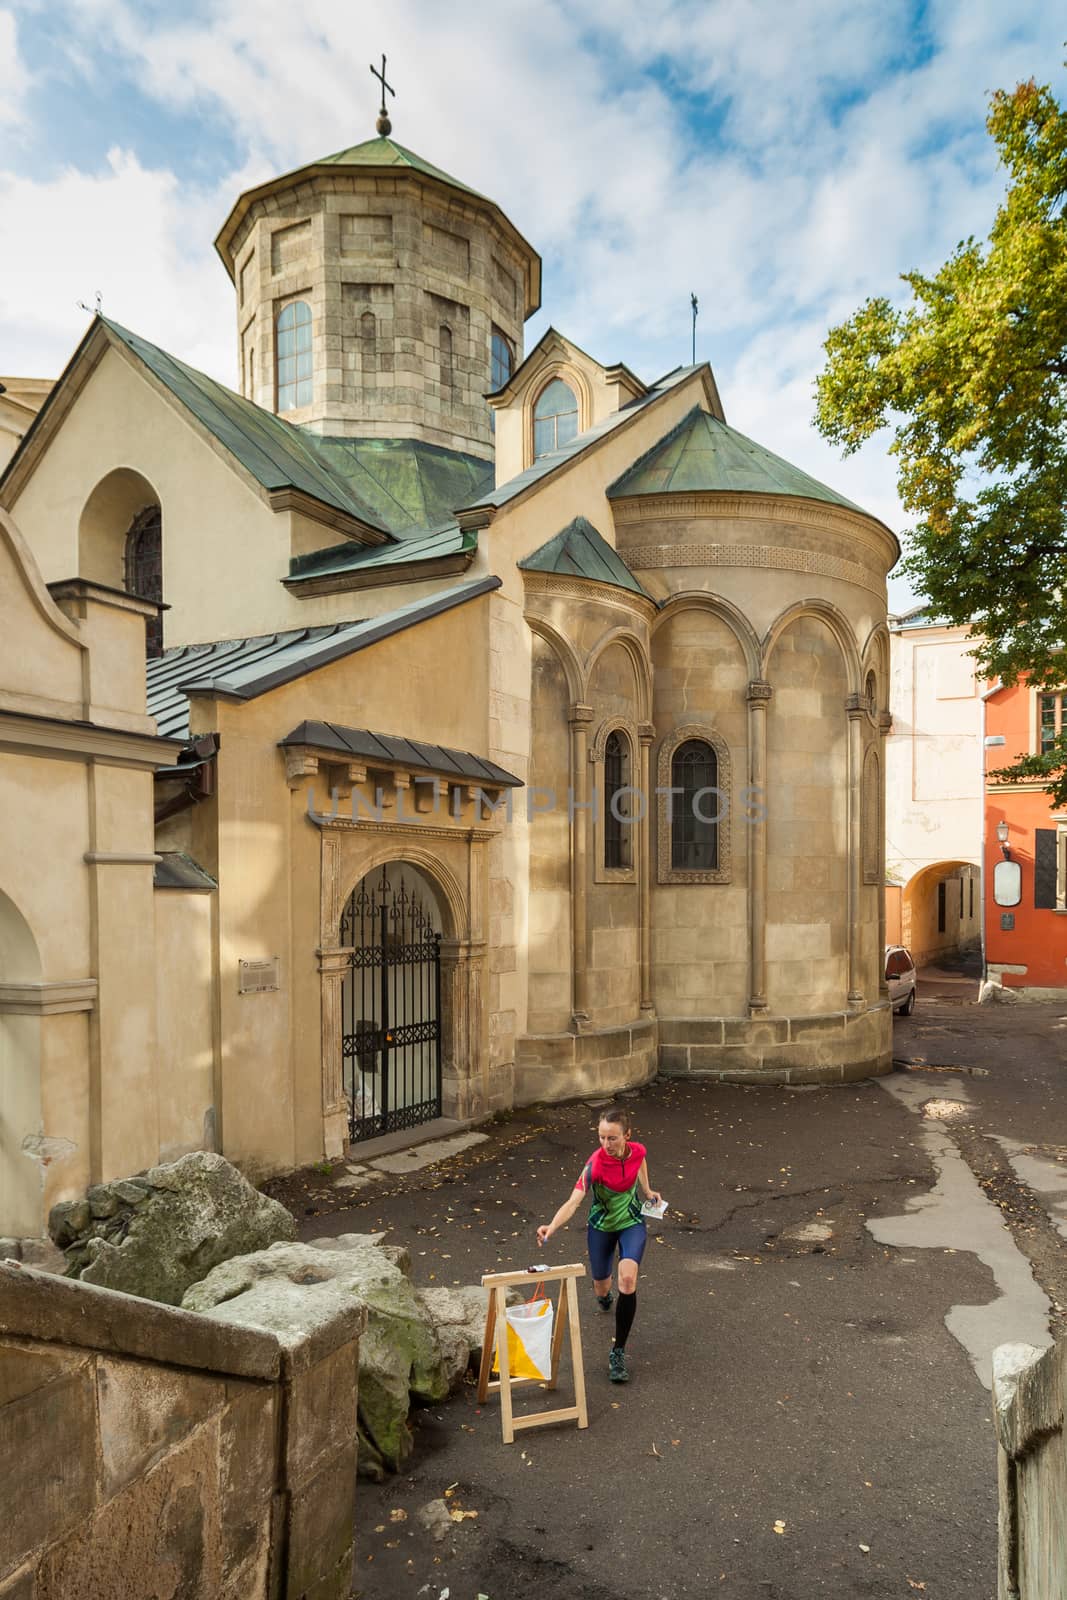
(625, 1311)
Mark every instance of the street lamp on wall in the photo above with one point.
(1002, 840)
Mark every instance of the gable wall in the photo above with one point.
(223, 548)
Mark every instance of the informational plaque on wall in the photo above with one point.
(257, 977)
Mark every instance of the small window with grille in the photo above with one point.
(694, 818)
(616, 816)
(144, 570)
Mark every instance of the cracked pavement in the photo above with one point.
(808, 1413)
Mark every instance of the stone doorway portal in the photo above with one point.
(391, 1002)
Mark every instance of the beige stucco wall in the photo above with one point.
(268, 857)
(186, 999)
(77, 1008)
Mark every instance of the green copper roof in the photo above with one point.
(387, 153)
(406, 483)
(582, 552)
(350, 557)
(390, 484)
(704, 455)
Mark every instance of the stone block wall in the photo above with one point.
(405, 280)
(1029, 1391)
(149, 1452)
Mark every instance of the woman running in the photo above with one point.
(612, 1176)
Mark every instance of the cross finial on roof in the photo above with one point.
(383, 125)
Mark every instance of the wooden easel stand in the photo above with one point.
(498, 1284)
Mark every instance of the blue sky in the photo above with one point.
(782, 160)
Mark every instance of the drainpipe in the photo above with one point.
(982, 835)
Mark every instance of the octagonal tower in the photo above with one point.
(378, 297)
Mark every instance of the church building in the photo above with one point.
(512, 727)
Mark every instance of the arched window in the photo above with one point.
(694, 814)
(616, 782)
(143, 570)
(555, 417)
(502, 360)
(294, 356)
(444, 345)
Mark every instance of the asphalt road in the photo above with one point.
(801, 1421)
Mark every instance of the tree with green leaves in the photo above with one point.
(971, 374)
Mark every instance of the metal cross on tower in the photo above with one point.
(383, 125)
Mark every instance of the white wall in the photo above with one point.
(933, 752)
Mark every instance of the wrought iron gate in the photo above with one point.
(390, 1007)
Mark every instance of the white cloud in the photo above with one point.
(14, 77)
(783, 162)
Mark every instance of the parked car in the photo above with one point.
(900, 976)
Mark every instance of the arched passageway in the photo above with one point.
(941, 911)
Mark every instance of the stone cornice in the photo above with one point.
(781, 558)
(636, 509)
(306, 505)
(573, 588)
(404, 826)
(48, 999)
(87, 741)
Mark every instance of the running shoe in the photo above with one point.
(605, 1301)
(617, 1367)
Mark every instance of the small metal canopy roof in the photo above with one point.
(387, 749)
(581, 551)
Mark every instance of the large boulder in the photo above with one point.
(400, 1357)
(158, 1233)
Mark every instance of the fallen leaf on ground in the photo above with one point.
(916, 1585)
(451, 1488)
(779, 1526)
(398, 1515)
(462, 1516)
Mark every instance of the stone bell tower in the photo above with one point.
(378, 297)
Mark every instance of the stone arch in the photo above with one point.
(564, 650)
(837, 624)
(107, 517)
(449, 896)
(875, 658)
(816, 929)
(20, 1073)
(735, 620)
(633, 647)
(919, 931)
(575, 379)
(871, 816)
(396, 1023)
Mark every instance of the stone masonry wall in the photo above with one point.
(149, 1452)
(1029, 1391)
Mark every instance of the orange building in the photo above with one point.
(1025, 912)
